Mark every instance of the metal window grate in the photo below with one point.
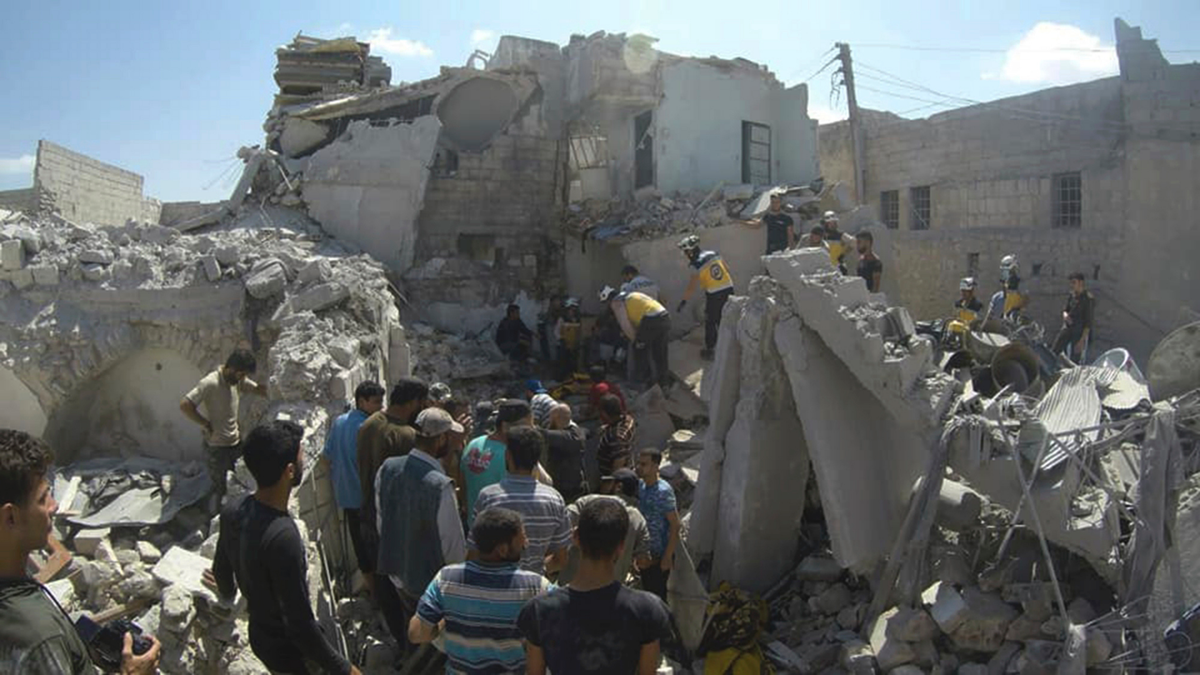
(889, 208)
(918, 197)
(756, 153)
(1068, 200)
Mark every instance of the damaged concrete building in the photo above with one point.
(1098, 177)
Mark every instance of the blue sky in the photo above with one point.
(171, 89)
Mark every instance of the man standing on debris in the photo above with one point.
(967, 307)
(219, 392)
(838, 243)
(475, 604)
(595, 625)
(1078, 317)
(1009, 300)
(711, 274)
(513, 337)
(622, 486)
(564, 452)
(540, 401)
(781, 235)
(614, 449)
(483, 461)
(36, 635)
(635, 282)
(656, 501)
(260, 552)
(387, 433)
(646, 324)
(547, 526)
(419, 528)
(815, 238)
(870, 267)
(341, 457)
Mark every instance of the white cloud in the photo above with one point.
(824, 114)
(481, 36)
(18, 165)
(1057, 53)
(382, 41)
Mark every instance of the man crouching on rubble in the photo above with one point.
(260, 549)
(36, 635)
(219, 393)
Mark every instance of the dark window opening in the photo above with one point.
(1095, 273)
(756, 153)
(1037, 269)
(478, 247)
(889, 208)
(643, 151)
(972, 264)
(920, 203)
(1067, 192)
(445, 163)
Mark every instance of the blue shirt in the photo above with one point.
(482, 465)
(341, 447)
(655, 502)
(547, 525)
(480, 602)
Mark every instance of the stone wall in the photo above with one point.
(83, 189)
(24, 200)
(177, 212)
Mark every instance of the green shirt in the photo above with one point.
(36, 636)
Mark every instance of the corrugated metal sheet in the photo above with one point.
(1072, 403)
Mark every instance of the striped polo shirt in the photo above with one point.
(547, 525)
(480, 602)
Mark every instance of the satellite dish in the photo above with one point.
(1174, 366)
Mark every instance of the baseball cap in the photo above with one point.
(535, 386)
(513, 410)
(626, 478)
(435, 422)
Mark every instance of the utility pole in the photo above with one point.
(855, 122)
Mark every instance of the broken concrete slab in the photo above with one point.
(958, 506)
(44, 275)
(212, 268)
(300, 136)
(87, 540)
(946, 606)
(148, 552)
(984, 623)
(12, 255)
(269, 280)
(96, 256)
(182, 568)
(319, 297)
(890, 652)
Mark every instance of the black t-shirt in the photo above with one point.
(261, 548)
(564, 458)
(601, 631)
(1079, 309)
(777, 230)
(867, 267)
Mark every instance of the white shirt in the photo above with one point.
(454, 543)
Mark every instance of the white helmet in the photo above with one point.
(829, 215)
(1009, 266)
(967, 284)
(606, 293)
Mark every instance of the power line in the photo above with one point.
(810, 64)
(985, 50)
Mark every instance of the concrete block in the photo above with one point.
(44, 275)
(227, 255)
(958, 506)
(212, 268)
(816, 568)
(344, 350)
(105, 552)
(12, 255)
(890, 652)
(300, 136)
(315, 271)
(341, 386)
(86, 541)
(912, 625)
(148, 552)
(96, 256)
(185, 569)
(833, 599)
(946, 606)
(319, 297)
(95, 272)
(984, 623)
(178, 610)
(268, 281)
(22, 279)
(856, 658)
(63, 591)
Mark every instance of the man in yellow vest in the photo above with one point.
(711, 274)
(646, 323)
(837, 242)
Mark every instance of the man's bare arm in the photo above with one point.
(648, 659)
(535, 660)
(191, 412)
(420, 632)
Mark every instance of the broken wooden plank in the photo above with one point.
(59, 557)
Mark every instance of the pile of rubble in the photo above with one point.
(649, 214)
(311, 66)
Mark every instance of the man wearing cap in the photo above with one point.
(836, 241)
(780, 234)
(540, 401)
(483, 459)
(419, 528)
(621, 486)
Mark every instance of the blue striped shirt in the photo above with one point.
(547, 525)
(480, 602)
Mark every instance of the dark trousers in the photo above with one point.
(1065, 341)
(653, 332)
(654, 580)
(368, 539)
(355, 528)
(397, 607)
(713, 304)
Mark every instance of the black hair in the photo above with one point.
(368, 390)
(653, 453)
(1076, 276)
(493, 527)
(629, 269)
(24, 460)
(610, 405)
(598, 373)
(865, 234)
(243, 360)
(512, 308)
(457, 405)
(603, 524)
(269, 448)
(817, 229)
(525, 445)
(407, 390)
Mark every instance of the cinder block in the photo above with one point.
(12, 255)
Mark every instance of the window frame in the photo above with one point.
(1066, 218)
(917, 196)
(889, 208)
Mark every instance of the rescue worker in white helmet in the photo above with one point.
(838, 242)
(710, 273)
(1009, 300)
(646, 323)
